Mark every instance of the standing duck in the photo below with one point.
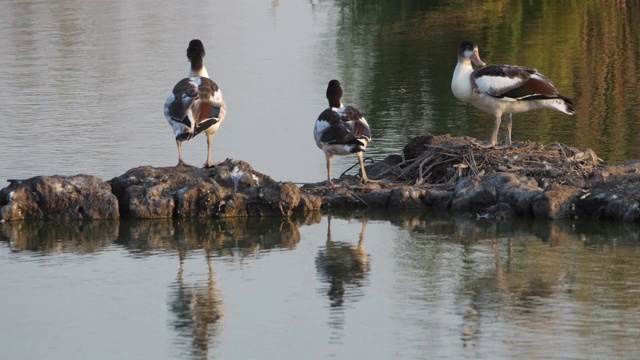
(341, 130)
(503, 89)
(196, 104)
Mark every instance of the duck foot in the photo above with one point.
(209, 165)
(183, 164)
(483, 145)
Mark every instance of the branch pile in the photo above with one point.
(445, 160)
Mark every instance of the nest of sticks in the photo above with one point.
(445, 160)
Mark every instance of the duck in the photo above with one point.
(503, 89)
(196, 104)
(341, 130)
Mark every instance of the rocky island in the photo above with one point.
(449, 173)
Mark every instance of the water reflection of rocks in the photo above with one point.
(47, 237)
(492, 269)
(512, 269)
(230, 237)
(343, 268)
(194, 301)
(196, 305)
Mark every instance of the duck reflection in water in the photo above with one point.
(343, 267)
(197, 308)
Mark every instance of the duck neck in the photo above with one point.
(461, 81)
(198, 69)
(336, 104)
(335, 100)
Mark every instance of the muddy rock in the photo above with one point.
(232, 188)
(58, 197)
(340, 197)
(500, 212)
(381, 169)
(407, 197)
(308, 203)
(612, 193)
(556, 202)
(416, 146)
(478, 194)
(439, 197)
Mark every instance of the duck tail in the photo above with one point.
(355, 146)
(569, 107)
(185, 136)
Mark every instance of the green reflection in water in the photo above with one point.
(397, 58)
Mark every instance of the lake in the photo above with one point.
(85, 84)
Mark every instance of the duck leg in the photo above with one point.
(180, 161)
(496, 127)
(209, 163)
(509, 123)
(365, 178)
(329, 158)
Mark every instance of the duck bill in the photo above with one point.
(476, 58)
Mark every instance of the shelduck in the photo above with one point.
(503, 89)
(196, 104)
(341, 130)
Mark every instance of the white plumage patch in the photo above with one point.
(321, 125)
(217, 97)
(496, 85)
(337, 149)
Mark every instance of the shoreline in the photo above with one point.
(454, 174)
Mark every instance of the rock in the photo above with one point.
(556, 202)
(274, 198)
(439, 198)
(621, 209)
(501, 212)
(58, 197)
(381, 169)
(473, 194)
(416, 146)
(608, 207)
(308, 203)
(616, 172)
(341, 197)
(407, 197)
(612, 193)
(632, 213)
(232, 188)
(377, 199)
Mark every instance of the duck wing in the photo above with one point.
(356, 122)
(513, 82)
(209, 106)
(342, 126)
(194, 105)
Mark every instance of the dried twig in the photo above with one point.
(445, 160)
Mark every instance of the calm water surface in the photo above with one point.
(85, 83)
(364, 285)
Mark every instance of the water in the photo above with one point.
(86, 81)
(365, 285)
(84, 87)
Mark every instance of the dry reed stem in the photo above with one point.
(454, 158)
